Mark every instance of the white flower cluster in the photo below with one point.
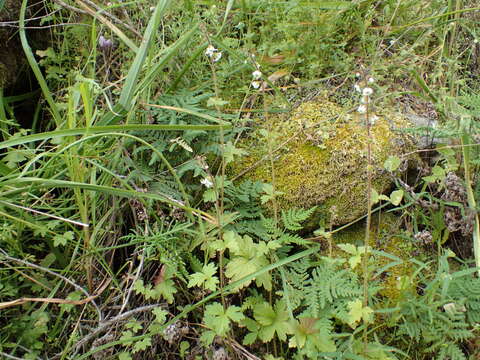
(207, 182)
(257, 75)
(213, 53)
(365, 99)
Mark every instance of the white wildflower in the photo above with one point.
(367, 91)
(450, 307)
(256, 84)
(210, 51)
(206, 182)
(371, 80)
(217, 56)
(475, 41)
(357, 88)
(357, 74)
(257, 74)
(362, 109)
(373, 119)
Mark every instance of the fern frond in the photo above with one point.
(292, 219)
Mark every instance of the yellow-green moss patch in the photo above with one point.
(323, 159)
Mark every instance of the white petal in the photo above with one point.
(256, 84)
(367, 91)
(257, 75)
(217, 56)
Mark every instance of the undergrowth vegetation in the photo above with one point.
(130, 228)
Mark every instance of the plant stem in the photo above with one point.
(367, 228)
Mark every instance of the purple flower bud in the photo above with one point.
(105, 44)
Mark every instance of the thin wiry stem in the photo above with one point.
(108, 323)
(369, 220)
(48, 271)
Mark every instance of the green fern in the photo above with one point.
(292, 219)
(330, 284)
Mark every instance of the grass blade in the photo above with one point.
(35, 68)
(106, 129)
(128, 90)
(105, 190)
(168, 53)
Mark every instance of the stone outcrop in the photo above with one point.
(323, 161)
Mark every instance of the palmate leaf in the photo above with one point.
(218, 320)
(205, 278)
(240, 267)
(272, 320)
(357, 312)
(247, 258)
(313, 336)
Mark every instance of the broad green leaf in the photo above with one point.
(134, 325)
(166, 289)
(392, 163)
(124, 356)
(232, 240)
(247, 258)
(272, 320)
(14, 157)
(218, 319)
(357, 312)
(160, 315)
(253, 327)
(306, 334)
(396, 197)
(142, 345)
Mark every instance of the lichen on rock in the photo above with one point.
(321, 158)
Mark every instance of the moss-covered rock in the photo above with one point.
(321, 158)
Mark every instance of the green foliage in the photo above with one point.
(442, 317)
(205, 278)
(272, 321)
(164, 289)
(218, 320)
(119, 241)
(248, 257)
(293, 218)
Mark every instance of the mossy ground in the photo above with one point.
(385, 236)
(324, 158)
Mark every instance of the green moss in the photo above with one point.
(324, 160)
(385, 235)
